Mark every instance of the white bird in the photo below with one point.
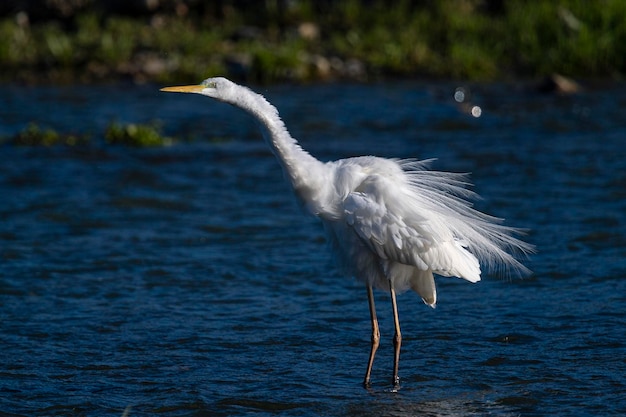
(392, 222)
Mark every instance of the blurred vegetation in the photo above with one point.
(264, 41)
(132, 134)
(34, 135)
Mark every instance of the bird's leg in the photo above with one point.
(375, 335)
(397, 338)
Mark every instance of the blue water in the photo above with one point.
(184, 280)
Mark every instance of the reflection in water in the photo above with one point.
(447, 406)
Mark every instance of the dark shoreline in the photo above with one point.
(360, 41)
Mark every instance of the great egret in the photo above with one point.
(392, 222)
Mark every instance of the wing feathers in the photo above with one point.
(421, 219)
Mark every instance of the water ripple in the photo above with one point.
(185, 280)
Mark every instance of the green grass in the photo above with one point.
(34, 135)
(442, 39)
(135, 135)
(132, 134)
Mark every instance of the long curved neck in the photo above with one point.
(304, 172)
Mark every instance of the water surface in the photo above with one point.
(185, 280)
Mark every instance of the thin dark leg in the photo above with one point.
(375, 335)
(397, 338)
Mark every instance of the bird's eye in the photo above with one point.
(210, 84)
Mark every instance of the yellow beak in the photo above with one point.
(184, 89)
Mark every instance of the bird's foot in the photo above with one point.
(396, 383)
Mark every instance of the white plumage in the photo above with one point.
(393, 223)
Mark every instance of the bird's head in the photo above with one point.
(217, 87)
(227, 91)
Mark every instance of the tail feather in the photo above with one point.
(423, 283)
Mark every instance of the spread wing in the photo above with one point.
(389, 217)
(418, 222)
